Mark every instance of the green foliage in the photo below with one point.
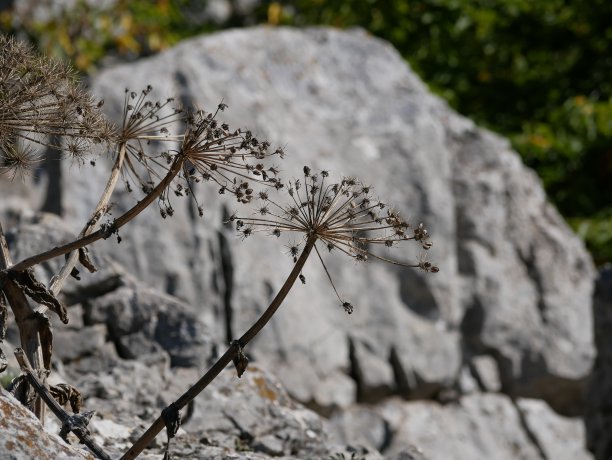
(86, 33)
(597, 231)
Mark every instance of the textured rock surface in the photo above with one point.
(598, 414)
(555, 436)
(527, 299)
(257, 411)
(465, 427)
(510, 310)
(515, 283)
(483, 426)
(22, 437)
(138, 320)
(141, 321)
(248, 418)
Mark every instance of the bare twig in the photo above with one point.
(234, 349)
(76, 423)
(58, 281)
(105, 232)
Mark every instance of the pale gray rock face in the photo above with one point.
(557, 437)
(527, 298)
(257, 410)
(514, 282)
(483, 426)
(109, 303)
(361, 425)
(485, 371)
(509, 311)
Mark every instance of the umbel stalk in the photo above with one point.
(58, 282)
(105, 232)
(228, 356)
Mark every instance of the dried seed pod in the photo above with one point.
(341, 215)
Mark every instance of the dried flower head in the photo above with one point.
(18, 160)
(41, 102)
(228, 157)
(232, 159)
(343, 216)
(207, 150)
(146, 120)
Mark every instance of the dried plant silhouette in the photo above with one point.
(159, 150)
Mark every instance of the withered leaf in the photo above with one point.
(75, 274)
(64, 393)
(3, 316)
(86, 261)
(172, 419)
(240, 360)
(19, 388)
(38, 292)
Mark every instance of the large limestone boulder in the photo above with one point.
(509, 311)
(515, 283)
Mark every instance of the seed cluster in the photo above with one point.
(146, 120)
(232, 159)
(344, 216)
(207, 149)
(41, 103)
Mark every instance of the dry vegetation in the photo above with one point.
(43, 107)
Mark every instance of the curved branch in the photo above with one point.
(105, 232)
(58, 281)
(234, 349)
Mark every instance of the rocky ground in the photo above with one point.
(490, 358)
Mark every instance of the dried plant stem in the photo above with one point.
(27, 322)
(73, 423)
(58, 281)
(227, 357)
(175, 168)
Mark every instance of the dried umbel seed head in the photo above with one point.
(344, 216)
(41, 102)
(147, 120)
(18, 160)
(233, 159)
(208, 150)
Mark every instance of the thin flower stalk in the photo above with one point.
(106, 230)
(57, 282)
(343, 216)
(202, 150)
(230, 354)
(340, 215)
